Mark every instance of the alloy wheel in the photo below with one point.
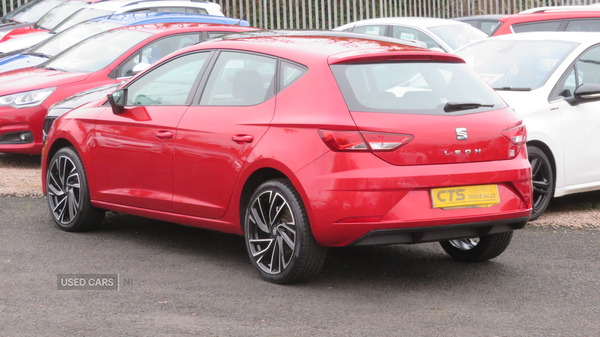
(64, 189)
(464, 244)
(272, 232)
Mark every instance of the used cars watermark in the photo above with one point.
(91, 282)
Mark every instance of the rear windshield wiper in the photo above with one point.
(55, 69)
(514, 88)
(457, 106)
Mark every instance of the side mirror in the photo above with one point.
(587, 92)
(118, 100)
(138, 68)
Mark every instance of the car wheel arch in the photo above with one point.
(58, 144)
(548, 152)
(258, 177)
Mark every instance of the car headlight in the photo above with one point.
(26, 99)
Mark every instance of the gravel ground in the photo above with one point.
(20, 177)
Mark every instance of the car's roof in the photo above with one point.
(117, 4)
(578, 37)
(111, 5)
(559, 8)
(550, 15)
(480, 17)
(128, 18)
(413, 21)
(175, 27)
(335, 49)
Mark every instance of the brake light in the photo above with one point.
(516, 135)
(364, 141)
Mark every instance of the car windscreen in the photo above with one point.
(516, 65)
(457, 36)
(32, 11)
(427, 88)
(80, 16)
(71, 36)
(96, 52)
(59, 13)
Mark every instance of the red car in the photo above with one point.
(109, 57)
(300, 142)
(550, 20)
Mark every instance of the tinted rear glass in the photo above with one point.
(413, 87)
(583, 25)
(542, 26)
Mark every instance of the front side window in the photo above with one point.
(414, 88)
(516, 65)
(240, 79)
(97, 52)
(156, 50)
(168, 84)
(585, 70)
(378, 30)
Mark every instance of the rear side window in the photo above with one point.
(378, 30)
(413, 87)
(541, 26)
(407, 33)
(584, 25)
(240, 79)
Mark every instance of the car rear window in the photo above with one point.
(413, 87)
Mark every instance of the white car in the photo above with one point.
(106, 8)
(438, 34)
(551, 79)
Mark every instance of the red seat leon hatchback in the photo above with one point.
(300, 142)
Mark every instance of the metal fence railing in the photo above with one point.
(328, 14)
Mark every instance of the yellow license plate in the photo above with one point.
(465, 196)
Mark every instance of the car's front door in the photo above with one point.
(580, 121)
(133, 150)
(217, 134)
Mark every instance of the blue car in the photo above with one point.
(67, 38)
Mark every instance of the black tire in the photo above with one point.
(68, 194)
(480, 249)
(279, 240)
(543, 180)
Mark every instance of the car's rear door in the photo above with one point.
(217, 134)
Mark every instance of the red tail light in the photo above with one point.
(517, 137)
(363, 141)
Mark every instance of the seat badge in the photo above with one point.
(461, 134)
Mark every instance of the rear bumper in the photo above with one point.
(367, 201)
(439, 233)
